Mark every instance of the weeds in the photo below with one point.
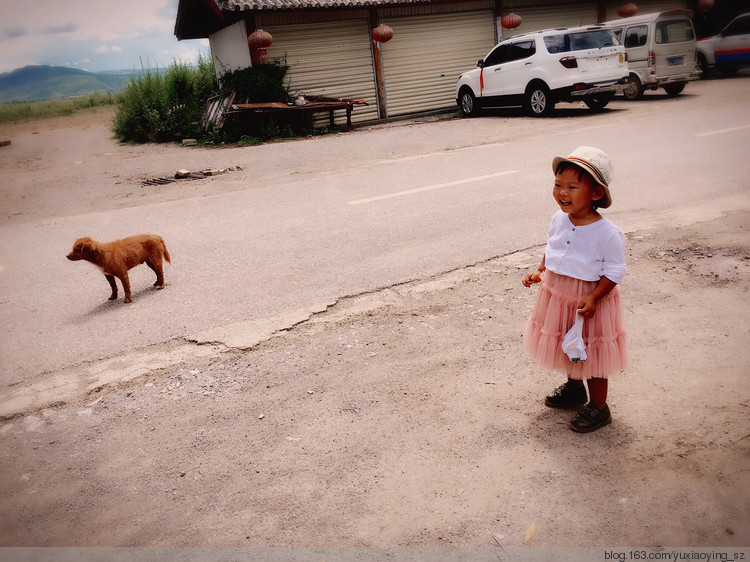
(165, 106)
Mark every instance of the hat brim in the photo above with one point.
(606, 199)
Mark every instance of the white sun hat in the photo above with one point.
(595, 162)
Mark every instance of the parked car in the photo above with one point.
(729, 50)
(536, 70)
(661, 51)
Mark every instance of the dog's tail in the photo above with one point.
(164, 247)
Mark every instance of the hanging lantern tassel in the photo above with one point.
(627, 10)
(260, 40)
(382, 34)
(511, 21)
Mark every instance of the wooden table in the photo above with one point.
(263, 110)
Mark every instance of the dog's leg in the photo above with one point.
(112, 284)
(126, 287)
(157, 267)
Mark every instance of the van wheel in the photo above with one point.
(468, 103)
(674, 89)
(633, 90)
(539, 101)
(599, 101)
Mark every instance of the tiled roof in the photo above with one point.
(259, 5)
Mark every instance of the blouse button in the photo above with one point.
(568, 242)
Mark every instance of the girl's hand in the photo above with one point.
(532, 278)
(587, 306)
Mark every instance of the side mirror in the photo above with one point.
(480, 63)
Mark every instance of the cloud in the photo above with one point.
(68, 28)
(13, 33)
(102, 35)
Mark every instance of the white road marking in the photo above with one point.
(709, 133)
(431, 187)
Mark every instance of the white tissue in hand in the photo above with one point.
(572, 344)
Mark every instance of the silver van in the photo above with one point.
(662, 51)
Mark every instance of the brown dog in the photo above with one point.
(116, 258)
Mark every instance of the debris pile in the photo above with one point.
(191, 175)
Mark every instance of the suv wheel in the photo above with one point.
(634, 89)
(538, 100)
(701, 64)
(598, 101)
(674, 89)
(468, 103)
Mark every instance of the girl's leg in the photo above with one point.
(598, 392)
(595, 414)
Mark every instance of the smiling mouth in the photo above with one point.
(564, 203)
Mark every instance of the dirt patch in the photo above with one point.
(410, 417)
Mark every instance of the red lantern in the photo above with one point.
(705, 5)
(382, 34)
(511, 21)
(260, 40)
(627, 10)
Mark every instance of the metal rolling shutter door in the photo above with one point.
(329, 59)
(423, 61)
(648, 7)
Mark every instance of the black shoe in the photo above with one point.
(591, 418)
(568, 395)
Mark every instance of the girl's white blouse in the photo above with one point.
(587, 252)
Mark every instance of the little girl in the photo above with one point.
(583, 262)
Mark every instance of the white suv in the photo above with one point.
(536, 70)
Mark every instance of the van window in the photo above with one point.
(674, 31)
(636, 36)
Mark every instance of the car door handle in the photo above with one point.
(498, 68)
(529, 63)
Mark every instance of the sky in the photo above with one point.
(93, 35)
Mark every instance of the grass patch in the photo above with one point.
(14, 112)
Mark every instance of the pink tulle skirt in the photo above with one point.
(554, 314)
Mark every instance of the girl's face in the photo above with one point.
(576, 192)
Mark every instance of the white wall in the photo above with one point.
(229, 48)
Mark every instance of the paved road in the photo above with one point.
(309, 222)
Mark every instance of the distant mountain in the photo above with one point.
(32, 83)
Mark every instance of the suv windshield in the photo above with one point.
(565, 42)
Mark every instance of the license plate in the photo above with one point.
(674, 61)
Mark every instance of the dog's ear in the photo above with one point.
(88, 247)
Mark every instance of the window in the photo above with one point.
(555, 44)
(522, 50)
(740, 26)
(592, 40)
(636, 36)
(499, 54)
(674, 31)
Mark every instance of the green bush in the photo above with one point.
(165, 106)
(258, 84)
(261, 84)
